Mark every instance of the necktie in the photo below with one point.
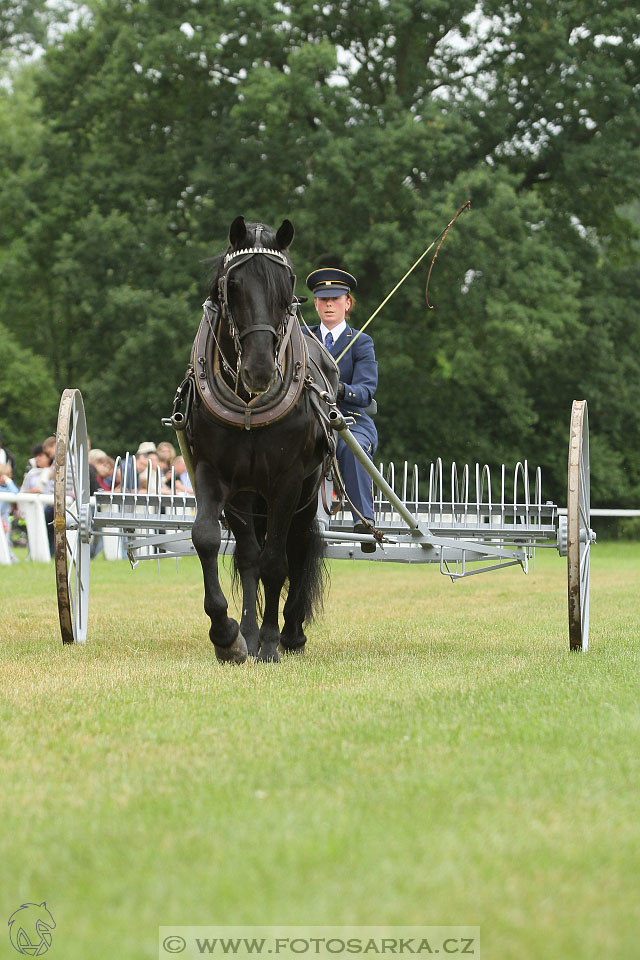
(328, 341)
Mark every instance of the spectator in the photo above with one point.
(94, 458)
(7, 486)
(104, 467)
(166, 456)
(146, 456)
(40, 479)
(40, 476)
(183, 480)
(49, 447)
(147, 469)
(7, 457)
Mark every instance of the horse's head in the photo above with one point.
(255, 288)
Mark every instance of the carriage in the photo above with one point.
(466, 520)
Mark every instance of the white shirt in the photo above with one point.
(335, 333)
(38, 480)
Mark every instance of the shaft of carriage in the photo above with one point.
(339, 423)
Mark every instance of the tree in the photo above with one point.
(368, 125)
(27, 25)
(28, 399)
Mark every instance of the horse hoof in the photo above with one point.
(292, 651)
(268, 654)
(236, 653)
(292, 642)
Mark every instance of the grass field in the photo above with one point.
(437, 757)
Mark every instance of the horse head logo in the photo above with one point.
(30, 929)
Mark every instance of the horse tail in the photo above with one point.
(257, 517)
(305, 549)
(313, 573)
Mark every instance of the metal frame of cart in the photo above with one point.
(469, 523)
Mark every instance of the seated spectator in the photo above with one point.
(183, 480)
(104, 467)
(7, 486)
(49, 447)
(146, 457)
(147, 462)
(7, 457)
(166, 456)
(96, 483)
(41, 479)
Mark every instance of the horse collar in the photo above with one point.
(221, 402)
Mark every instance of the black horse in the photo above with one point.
(263, 478)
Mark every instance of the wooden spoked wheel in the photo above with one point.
(579, 533)
(72, 518)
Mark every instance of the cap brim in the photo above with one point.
(333, 291)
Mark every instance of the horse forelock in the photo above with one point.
(273, 277)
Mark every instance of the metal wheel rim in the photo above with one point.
(579, 527)
(72, 557)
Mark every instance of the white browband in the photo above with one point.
(247, 250)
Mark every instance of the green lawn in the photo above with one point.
(437, 757)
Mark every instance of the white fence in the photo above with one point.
(32, 508)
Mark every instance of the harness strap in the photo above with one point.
(330, 511)
(255, 328)
(293, 316)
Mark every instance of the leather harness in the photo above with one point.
(223, 403)
(296, 370)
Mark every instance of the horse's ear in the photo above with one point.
(238, 232)
(285, 233)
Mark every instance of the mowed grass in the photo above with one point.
(437, 757)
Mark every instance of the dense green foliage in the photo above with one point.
(126, 151)
(27, 397)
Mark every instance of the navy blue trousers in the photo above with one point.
(356, 479)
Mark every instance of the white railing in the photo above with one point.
(32, 507)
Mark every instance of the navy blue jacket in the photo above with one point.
(359, 373)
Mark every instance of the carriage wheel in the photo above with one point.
(72, 518)
(579, 533)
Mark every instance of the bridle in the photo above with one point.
(282, 332)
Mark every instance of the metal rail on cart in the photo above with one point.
(468, 524)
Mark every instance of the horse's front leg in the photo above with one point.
(246, 559)
(273, 564)
(224, 632)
